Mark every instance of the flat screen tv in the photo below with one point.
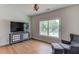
(18, 26)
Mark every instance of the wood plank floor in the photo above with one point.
(27, 47)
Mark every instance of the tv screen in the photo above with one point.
(17, 26)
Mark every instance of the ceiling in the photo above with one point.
(20, 10)
(27, 9)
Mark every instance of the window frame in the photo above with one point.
(48, 29)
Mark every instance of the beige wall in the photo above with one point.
(69, 18)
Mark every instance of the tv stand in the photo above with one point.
(15, 37)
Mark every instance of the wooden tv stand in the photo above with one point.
(15, 37)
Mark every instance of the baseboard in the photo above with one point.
(40, 40)
(4, 45)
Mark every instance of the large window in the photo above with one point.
(49, 28)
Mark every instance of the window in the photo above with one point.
(43, 27)
(49, 28)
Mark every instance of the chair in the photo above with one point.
(73, 45)
(66, 46)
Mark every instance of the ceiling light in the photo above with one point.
(36, 7)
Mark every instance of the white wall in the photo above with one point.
(4, 32)
(5, 26)
(69, 17)
(8, 14)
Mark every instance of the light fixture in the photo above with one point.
(36, 7)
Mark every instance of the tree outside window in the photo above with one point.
(49, 28)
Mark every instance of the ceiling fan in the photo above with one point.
(36, 7)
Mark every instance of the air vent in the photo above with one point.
(48, 9)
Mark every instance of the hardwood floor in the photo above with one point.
(27, 47)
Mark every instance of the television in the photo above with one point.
(18, 26)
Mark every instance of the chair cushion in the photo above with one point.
(65, 46)
(75, 44)
(57, 46)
